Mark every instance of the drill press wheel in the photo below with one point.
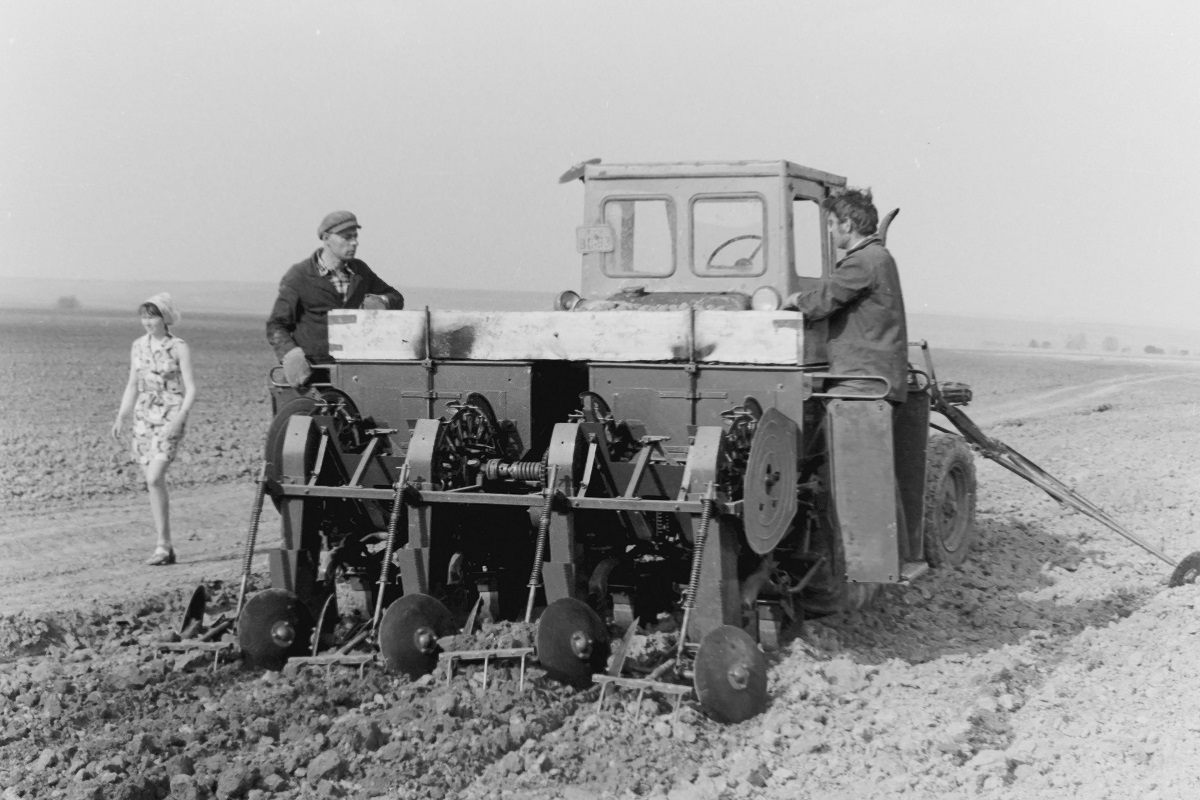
(409, 633)
(572, 642)
(731, 675)
(274, 625)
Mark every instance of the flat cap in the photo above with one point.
(337, 222)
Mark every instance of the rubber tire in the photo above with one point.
(1187, 571)
(834, 594)
(846, 596)
(950, 490)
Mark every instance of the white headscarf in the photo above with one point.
(166, 306)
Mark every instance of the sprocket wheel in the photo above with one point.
(740, 423)
(469, 438)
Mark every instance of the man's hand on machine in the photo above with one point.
(296, 369)
(375, 301)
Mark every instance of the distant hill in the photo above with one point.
(233, 297)
(947, 330)
(941, 330)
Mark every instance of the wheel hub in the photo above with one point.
(739, 676)
(581, 645)
(425, 639)
(283, 634)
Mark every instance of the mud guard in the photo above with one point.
(863, 490)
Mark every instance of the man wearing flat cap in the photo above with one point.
(330, 278)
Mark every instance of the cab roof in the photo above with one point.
(710, 169)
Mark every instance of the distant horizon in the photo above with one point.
(35, 299)
(253, 299)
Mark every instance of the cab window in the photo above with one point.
(808, 235)
(728, 236)
(643, 236)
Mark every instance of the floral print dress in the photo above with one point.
(160, 396)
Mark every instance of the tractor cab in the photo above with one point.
(718, 236)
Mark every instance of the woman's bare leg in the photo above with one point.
(160, 506)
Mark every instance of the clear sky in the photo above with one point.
(1045, 155)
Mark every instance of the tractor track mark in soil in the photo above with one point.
(1070, 397)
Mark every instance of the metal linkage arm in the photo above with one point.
(1018, 464)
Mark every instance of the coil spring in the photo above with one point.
(706, 509)
(255, 517)
(539, 554)
(495, 469)
(390, 546)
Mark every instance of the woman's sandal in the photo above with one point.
(161, 557)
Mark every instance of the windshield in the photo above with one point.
(727, 236)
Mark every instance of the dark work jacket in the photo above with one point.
(305, 299)
(865, 309)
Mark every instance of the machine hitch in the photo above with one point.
(1185, 570)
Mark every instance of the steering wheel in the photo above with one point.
(741, 263)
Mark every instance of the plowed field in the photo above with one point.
(1055, 663)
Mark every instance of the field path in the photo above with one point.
(1068, 398)
(68, 560)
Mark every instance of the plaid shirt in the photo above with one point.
(339, 277)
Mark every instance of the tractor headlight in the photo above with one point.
(765, 298)
(566, 301)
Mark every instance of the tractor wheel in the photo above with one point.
(830, 592)
(839, 596)
(949, 500)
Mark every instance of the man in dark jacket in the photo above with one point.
(330, 278)
(867, 336)
(862, 301)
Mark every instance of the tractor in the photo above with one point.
(664, 447)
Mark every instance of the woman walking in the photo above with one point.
(160, 392)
